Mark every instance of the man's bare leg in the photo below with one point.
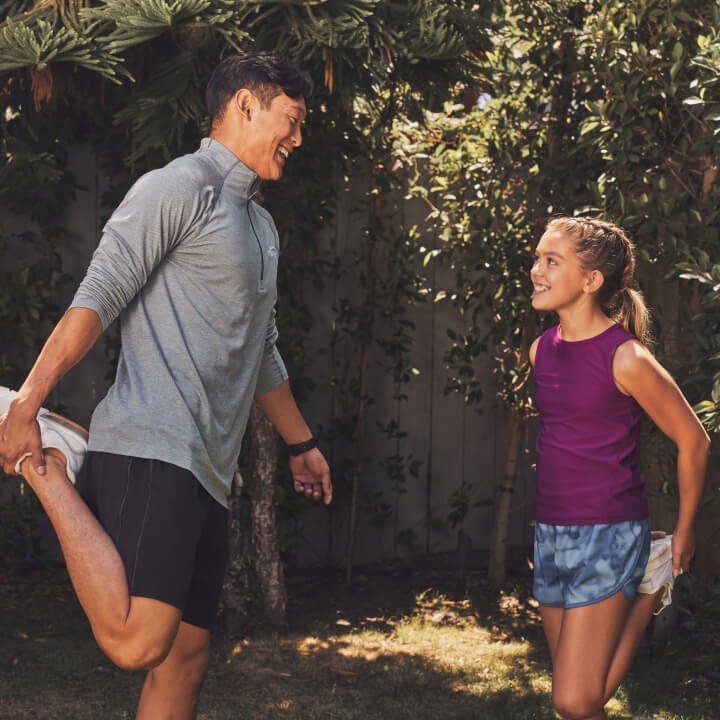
(172, 688)
(134, 632)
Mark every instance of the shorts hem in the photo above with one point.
(203, 624)
(597, 600)
(149, 595)
(549, 604)
(585, 603)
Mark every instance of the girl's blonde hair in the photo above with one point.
(605, 247)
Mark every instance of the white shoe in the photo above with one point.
(56, 432)
(658, 572)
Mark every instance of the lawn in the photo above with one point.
(402, 643)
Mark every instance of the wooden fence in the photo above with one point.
(456, 445)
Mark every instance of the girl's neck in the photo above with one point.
(581, 325)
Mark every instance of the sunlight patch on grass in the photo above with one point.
(364, 650)
(310, 645)
(237, 650)
(468, 655)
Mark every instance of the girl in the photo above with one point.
(594, 378)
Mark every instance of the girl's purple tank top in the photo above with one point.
(588, 447)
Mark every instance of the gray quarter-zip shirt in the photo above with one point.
(188, 262)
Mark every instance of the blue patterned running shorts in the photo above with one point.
(578, 565)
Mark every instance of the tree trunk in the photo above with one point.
(254, 588)
(497, 570)
(235, 600)
(261, 458)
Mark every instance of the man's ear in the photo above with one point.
(244, 102)
(594, 281)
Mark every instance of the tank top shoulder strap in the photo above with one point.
(543, 343)
(616, 337)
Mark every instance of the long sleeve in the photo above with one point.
(159, 210)
(272, 368)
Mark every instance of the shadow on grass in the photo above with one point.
(397, 645)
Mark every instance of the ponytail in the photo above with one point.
(633, 314)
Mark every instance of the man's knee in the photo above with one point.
(142, 639)
(192, 667)
(133, 654)
(184, 669)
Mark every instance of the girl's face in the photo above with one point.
(558, 279)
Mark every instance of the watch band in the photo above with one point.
(302, 447)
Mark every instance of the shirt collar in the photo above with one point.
(238, 177)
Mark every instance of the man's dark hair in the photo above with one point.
(267, 75)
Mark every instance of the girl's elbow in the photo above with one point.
(706, 442)
(695, 445)
(702, 443)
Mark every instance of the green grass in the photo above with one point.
(401, 644)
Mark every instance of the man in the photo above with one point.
(188, 263)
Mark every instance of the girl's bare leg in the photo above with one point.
(583, 642)
(636, 620)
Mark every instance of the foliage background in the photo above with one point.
(497, 115)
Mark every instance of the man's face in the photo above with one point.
(273, 133)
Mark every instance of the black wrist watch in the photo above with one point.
(302, 447)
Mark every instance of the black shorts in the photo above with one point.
(170, 533)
